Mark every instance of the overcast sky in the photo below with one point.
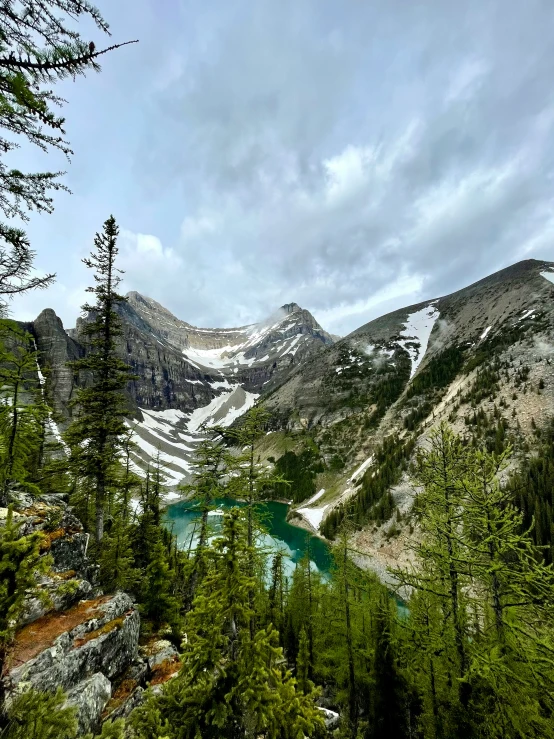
(353, 156)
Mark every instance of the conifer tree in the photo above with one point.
(129, 482)
(97, 437)
(158, 603)
(442, 566)
(20, 563)
(389, 699)
(117, 561)
(209, 468)
(513, 596)
(22, 410)
(250, 482)
(230, 684)
(37, 47)
(303, 664)
(36, 715)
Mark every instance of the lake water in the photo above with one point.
(292, 540)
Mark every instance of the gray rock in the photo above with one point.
(159, 652)
(134, 700)
(56, 595)
(89, 697)
(107, 643)
(68, 553)
(56, 350)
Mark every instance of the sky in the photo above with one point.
(352, 156)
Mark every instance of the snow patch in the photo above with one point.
(548, 276)
(361, 469)
(417, 329)
(223, 410)
(313, 515)
(527, 314)
(484, 334)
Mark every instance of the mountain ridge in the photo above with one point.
(310, 382)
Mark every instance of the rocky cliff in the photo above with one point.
(186, 375)
(73, 636)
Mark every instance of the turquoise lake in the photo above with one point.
(291, 540)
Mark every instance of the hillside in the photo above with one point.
(186, 376)
(482, 358)
(482, 353)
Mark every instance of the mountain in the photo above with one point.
(482, 355)
(186, 375)
(481, 358)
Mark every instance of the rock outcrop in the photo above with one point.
(57, 348)
(71, 635)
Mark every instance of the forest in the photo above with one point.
(464, 647)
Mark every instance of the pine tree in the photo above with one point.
(513, 596)
(209, 468)
(117, 570)
(37, 48)
(158, 603)
(97, 437)
(20, 563)
(35, 715)
(303, 664)
(230, 683)
(442, 567)
(249, 481)
(389, 699)
(22, 410)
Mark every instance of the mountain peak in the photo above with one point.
(290, 308)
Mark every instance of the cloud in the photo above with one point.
(351, 157)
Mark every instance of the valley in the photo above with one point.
(486, 349)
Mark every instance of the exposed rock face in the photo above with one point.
(57, 349)
(89, 698)
(69, 638)
(182, 368)
(80, 650)
(320, 391)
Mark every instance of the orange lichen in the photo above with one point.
(112, 625)
(122, 693)
(165, 670)
(42, 633)
(67, 575)
(50, 537)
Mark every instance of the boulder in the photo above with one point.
(89, 698)
(63, 649)
(160, 651)
(55, 594)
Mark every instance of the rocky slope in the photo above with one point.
(475, 357)
(74, 637)
(186, 376)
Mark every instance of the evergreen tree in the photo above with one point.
(249, 481)
(303, 664)
(230, 683)
(35, 715)
(117, 570)
(209, 468)
(97, 437)
(37, 48)
(20, 563)
(158, 603)
(22, 411)
(513, 596)
(389, 699)
(442, 566)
